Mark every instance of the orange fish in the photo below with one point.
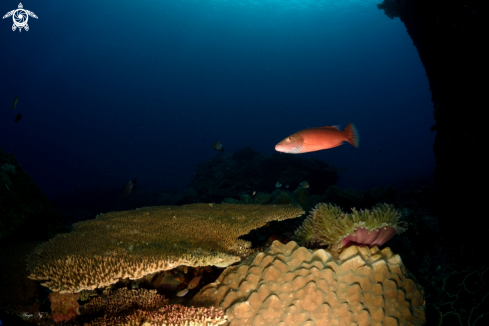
(316, 139)
(194, 282)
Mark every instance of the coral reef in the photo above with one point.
(291, 285)
(131, 244)
(282, 198)
(64, 306)
(301, 196)
(328, 225)
(23, 205)
(178, 315)
(113, 306)
(350, 198)
(246, 171)
(141, 307)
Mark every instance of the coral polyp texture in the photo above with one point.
(64, 306)
(289, 285)
(143, 308)
(132, 244)
(328, 225)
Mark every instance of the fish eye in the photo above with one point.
(289, 139)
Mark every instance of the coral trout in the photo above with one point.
(316, 139)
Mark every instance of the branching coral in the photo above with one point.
(142, 307)
(328, 225)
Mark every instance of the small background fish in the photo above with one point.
(16, 99)
(218, 146)
(128, 187)
(191, 285)
(194, 282)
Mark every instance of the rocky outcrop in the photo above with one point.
(451, 39)
(25, 211)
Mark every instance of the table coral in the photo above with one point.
(132, 244)
(328, 225)
(291, 285)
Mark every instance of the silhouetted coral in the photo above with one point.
(350, 198)
(246, 171)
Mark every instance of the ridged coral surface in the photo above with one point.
(132, 244)
(291, 285)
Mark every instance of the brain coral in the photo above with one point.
(291, 285)
(132, 244)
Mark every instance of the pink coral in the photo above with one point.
(64, 306)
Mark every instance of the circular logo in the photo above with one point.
(20, 18)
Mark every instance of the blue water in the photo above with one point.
(111, 90)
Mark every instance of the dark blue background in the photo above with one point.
(111, 90)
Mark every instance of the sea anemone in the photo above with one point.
(328, 225)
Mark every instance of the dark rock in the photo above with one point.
(450, 37)
(26, 213)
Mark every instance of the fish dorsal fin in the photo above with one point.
(336, 127)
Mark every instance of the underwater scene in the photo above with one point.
(215, 162)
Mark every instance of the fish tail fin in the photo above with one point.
(352, 135)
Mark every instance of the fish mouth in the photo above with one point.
(289, 150)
